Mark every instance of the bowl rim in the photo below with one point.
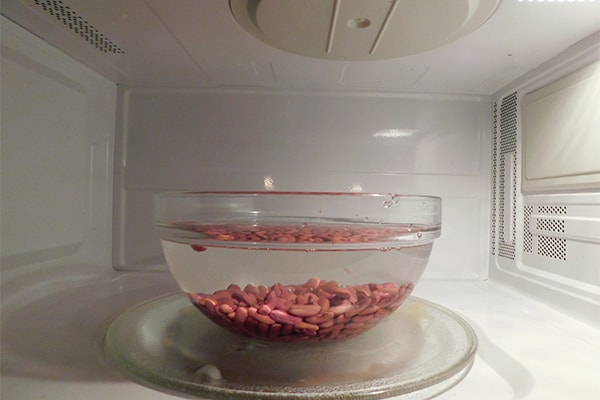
(424, 232)
(242, 193)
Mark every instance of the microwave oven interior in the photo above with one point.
(492, 105)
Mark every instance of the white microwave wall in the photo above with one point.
(545, 222)
(295, 141)
(57, 127)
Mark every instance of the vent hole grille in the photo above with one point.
(561, 210)
(508, 124)
(552, 247)
(527, 235)
(508, 144)
(78, 25)
(549, 245)
(550, 225)
(494, 180)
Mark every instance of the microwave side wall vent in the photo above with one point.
(527, 235)
(546, 182)
(507, 179)
(548, 242)
(79, 25)
(494, 183)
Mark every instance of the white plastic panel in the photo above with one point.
(37, 188)
(244, 140)
(561, 143)
(57, 134)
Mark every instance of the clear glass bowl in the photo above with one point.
(296, 266)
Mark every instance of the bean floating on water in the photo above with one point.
(291, 234)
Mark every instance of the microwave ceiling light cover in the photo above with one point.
(359, 30)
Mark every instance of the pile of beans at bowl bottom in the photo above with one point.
(314, 311)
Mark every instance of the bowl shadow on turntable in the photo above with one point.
(371, 355)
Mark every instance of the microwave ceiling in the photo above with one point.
(419, 46)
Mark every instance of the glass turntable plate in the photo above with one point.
(420, 351)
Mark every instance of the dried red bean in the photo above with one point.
(241, 314)
(342, 292)
(282, 304)
(342, 308)
(312, 283)
(265, 309)
(334, 334)
(304, 310)
(262, 291)
(362, 318)
(305, 325)
(327, 323)
(251, 289)
(331, 329)
(225, 308)
(319, 319)
(308, 333)
(278, 289)
(302, 299)
(313, 298)
(221, 295)
(284, 318)
(271, 299)
(363, 291)
(371, 309)
(324, 303)
(354, 325)
(358, 307)
(265, 319)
